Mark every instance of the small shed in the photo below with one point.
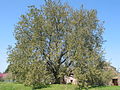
(115, 81)
(70, 79)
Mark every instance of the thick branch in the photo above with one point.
(61, 55)
(64, 60)
(51, 67)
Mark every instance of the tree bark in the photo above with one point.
(57, 80)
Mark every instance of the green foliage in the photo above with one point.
(37, 76)
(41, 36)
(54, 40)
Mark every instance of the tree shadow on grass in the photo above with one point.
(93, 87)
(40, 87)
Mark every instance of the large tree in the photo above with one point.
(55, 39)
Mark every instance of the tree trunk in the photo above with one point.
(57, 80)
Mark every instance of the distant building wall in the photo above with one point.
(115, 81)
(70, 79)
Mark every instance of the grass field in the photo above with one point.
(107, 88)
(60, 87)
(11, 86)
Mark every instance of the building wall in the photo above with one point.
(70, 79)
(111, 81)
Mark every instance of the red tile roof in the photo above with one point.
(3, 75)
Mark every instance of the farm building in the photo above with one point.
(70, 79)
(115, 81)
(2, 76)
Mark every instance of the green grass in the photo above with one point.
(107, 88)
(59, 87)
(12, 86)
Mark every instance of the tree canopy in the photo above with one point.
(54, 40)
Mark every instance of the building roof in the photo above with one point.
(3, 75)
